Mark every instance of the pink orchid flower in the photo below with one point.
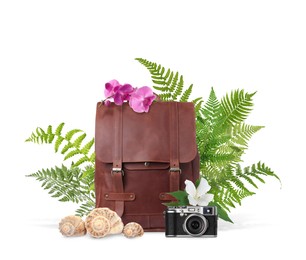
(141, 99)
(123, 93)
(111, 88)
(118, 92)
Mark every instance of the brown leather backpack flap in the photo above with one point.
(146, 136)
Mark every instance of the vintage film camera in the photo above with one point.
(196, 221)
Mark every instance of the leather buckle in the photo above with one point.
(114, 170)
(175, 170)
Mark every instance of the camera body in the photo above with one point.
(186, 221)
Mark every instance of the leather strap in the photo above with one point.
(117, 171)
(120, 196)
(174, 181)
(174, 147)
(117, 154)
(174, 136)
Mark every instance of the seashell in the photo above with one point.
(133, 229)
(72, 226)
(103, 221)
(97, 226)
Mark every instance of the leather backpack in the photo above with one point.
(142, 157)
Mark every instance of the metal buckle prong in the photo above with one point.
(175, 170)
(117, 170)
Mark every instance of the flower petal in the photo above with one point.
(205, 199)
(190, 188)
(203, 187)
(107, 103)
(192, 201)
(126, 89)
(136, 103)
(108, 90)
(145, 91)
(114, 82)
(118, 99)
(111, 88)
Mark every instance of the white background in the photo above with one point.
(55, 57)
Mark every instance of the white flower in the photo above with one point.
(198, 196)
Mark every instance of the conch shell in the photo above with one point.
(133, 229)
(103, 221)
(72, 226)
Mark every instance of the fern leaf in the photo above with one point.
(72, 153)
(186, 94)
(58, 142)
(65, 189)
(169, 79)
(262, 169)
(170, 84)
(78, 141)
(71, 133)
(66, 147)
(81, 161)
(236, 106)
(212, 111)
(58, 130)
(85, 208)
(197, 104)
(241, 133)
(86, 148)
(179, 89)
(173, 83)
(49, 129)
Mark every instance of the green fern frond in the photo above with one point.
(82, 160)
(236, 106)
(228, 183)
(242, 133)
(68, 184)
(71, 133)
(72, 153)
(170, 84)
(197, 104)
(58, 142)
(71, 147)
(178, 89)
(85, 208)
(77, 143)
(262, 169)
(212, 114)
(186, 94)
(59, 129)
(66, 147)
(86, 148)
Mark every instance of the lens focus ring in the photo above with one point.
(195, 225)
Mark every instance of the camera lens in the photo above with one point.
(195, 225)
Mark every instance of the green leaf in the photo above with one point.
(169, 84)
(59, 129)
(181, 196)
(86, 148)
(77, 143)
(81, 161)
(58, 142)
(221, 212)
(236, 106)
(186, 94)
(71, 133)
